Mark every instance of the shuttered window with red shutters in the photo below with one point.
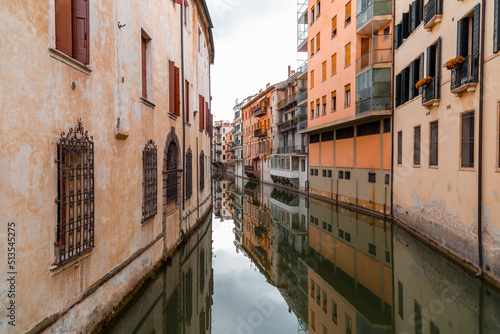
(72, 29)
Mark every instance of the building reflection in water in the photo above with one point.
(334, 268)
(179, 298)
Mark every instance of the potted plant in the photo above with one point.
(423, 82)
(453, 62)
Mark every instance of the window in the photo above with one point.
(149, 181)
(347, 13)
(334, 26)
(334, 64)
(334, 312)
(144, 64)
(324, 105)
(72, 29)
(341, 233)
(199, 40)
(174, 92)
(372, 249)
(372, 177)
(171, 172)
(316, 174)
(433, 159)
(324, 172)
(468, 140)
(75, 174)
(341, 174)
(312, 47)
(345, 133)
(187, 101)
(317, 41)
(318, 8)
(318, 295)
(416, 147)
(312, 15)
(367, 129)
(325, 302)
(414, 77)
(303, 165)
(347, 96)
(189, 173)
(496, 29)
(348, 324)
(400, 299)
(418, 318)
(312, 79)
(400, 147)
(347, 175)
(325, 331)
(334, 101)
(387, 179)
(202, 171)
(313, 320)
(348, 54)
(323, 77)
(201, 106)
(186, 14)
(329, 173)
(312, 282)
(317, 107)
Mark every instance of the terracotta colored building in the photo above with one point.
(105, 148)
(349, 101)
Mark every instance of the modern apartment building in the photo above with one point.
(257, 134)
(349, 101)
(106, 127)
(446, 126)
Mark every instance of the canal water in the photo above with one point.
(273, 261)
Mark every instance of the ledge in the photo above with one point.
(435, 19)
(468, 87)
(172, 116)
(147, 102)
(56, 54)
(57, 268)
(431, 103)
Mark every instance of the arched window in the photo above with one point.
(189, 173)
(149, 181)
(202, 171)
(172, 165)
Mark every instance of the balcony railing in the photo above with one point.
(260, 133)
(260, 112)
(287, 125)
(287, 101)
(302, 68)
(302, 125)
(429, 93)
(433, 10)
(373, 57)
(248, 168)
(465, 75)
(300, 149)
(302, 97)
(374, 8)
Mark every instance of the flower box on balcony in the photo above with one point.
(423, 82)
(453, 63)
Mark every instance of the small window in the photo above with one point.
(347, 96)
(318, 36)
(334, 312)
(73, 29)
(418, 318)
(189, 173)
(347, 175)
(433, 159)
(416, 147)
(303, 165)
(316, 221)
(200, 39)
(323, 111)
(325, 302)
(334, 26)
(341, 174)
(323, 77)
(345, 133)
(348, 324)
(371, 177)
(312, 109)
(330, 174)
(329, 227)
(312, 287)
(317, 107)
(372, 249)
(324, 225)
(334, 101)
(312, 15)
(348, 54)
(387, 179)
(313, 320)
(324, 172)
(318, 295)
(334, 64)
(312, 47)
(341, 234)
(387, 256)
(347, 237)
(400, 147)
(400, 299)
(468, 140)
(312, 171)
(316, 172)
(318, 8)
(149, 181)
(202, 171)
(347, 13)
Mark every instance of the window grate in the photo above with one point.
(189, 173)
(372, 177)
(202, 171)
(171, 172)
(75, 198)
(149, 181)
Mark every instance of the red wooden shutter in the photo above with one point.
(80, 31)
(178, 1)
(63, 27)
(201, 112)
(186, 101)
(171, 87)
(206, 116)
(177, 92)
(144, 69)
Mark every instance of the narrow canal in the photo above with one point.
(273, 261)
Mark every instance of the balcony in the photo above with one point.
(237, 115)
(373, 16)
(252, 172)
(288, 101)
(464, 77)
(302, 97)
(260, 132)
(373, 90)
(381, 53)
(300, 149)
(433, 13)
(260, 112)
(429, 95)
(302, 69)
(287, 125)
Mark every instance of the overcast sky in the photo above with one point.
(255, 41)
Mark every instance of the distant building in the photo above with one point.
(220, 145)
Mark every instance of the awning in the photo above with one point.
(254, 157)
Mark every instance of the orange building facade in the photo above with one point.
(349, 101)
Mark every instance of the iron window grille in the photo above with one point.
(75, 193)
(189, 173)
(202, 171)
(171, 172)
(371, 177)
(149, 181)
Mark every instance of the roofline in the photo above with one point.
(263, 93)
(210, 27)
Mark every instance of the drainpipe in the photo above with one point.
(392, 115)
(480, 143)
(183, 115)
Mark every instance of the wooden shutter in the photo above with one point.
(438, 70)
(431, 61)
(312, 46)
(397, 36)
(496, 27)
(348, 54)
(475, 42)
(324, 70)
(201, 112)
(171, 87)
(334, 25)
(463, 37)
(144, 68)
(80, 30)
(412, 78)
(334, 64)
(405, 83)
(405, 26)
(177, 92)
(348, 11)
(413, 16)
(334, 100)
(312, 79)
(421, 76)
(416, 75)
(318, 41)
(186, 101)
(178, 1)
(63, 27)
(398, 90)
(420, 15)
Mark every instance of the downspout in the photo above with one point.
(392, 115)
(183, 116)
(480, 143)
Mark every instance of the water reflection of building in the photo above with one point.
(350, 271)
(222, 197)
(179, 299)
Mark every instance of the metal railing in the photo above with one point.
(302, 96)
(260, 132)
(373, 8)
(373, 57)
(302, 68)
(431, 9)
(287, 125)
(260, 112)
(429, 92)
(291, 149)
(466, 72)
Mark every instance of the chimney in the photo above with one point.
(260, 91)
(268, 85)
(289, 68)
(293, 72)
(236, 102)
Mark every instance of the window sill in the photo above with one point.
(172, 116)
(57, 268)
(417, 166)
(433, 167)
(147, 102)
(187, 124)
(467, 169)
(56, 54)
